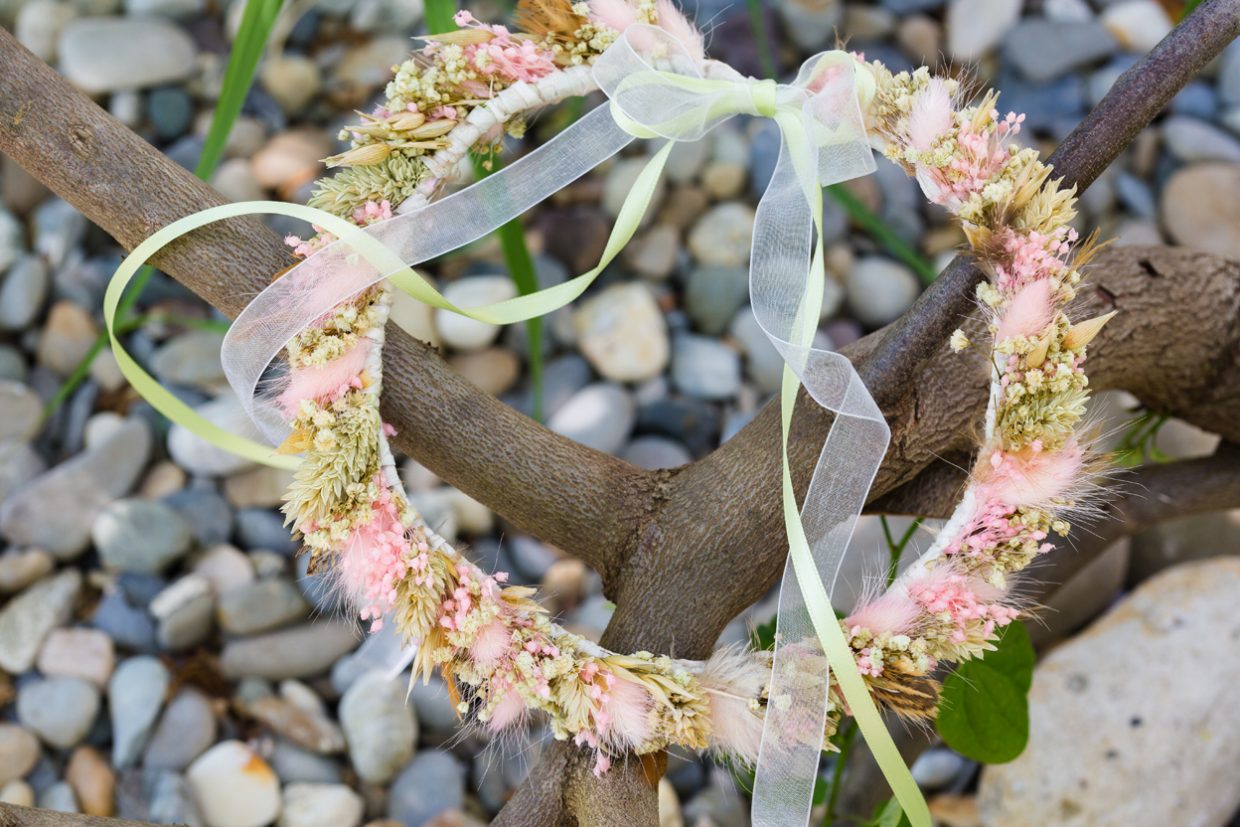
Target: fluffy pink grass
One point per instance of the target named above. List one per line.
(731, 677)
(615, 14)
(931, 115)
(674, 22)
(326, 381)
(893, 612)
(1028, 312)
(508, 712)
(1032, 477)
(375, 559)
(492, 642)
(628, 709)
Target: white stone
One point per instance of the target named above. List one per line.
(234, 787)
(723, 235)
(600, 416)
(1133, 722)
(38, 26)
(974, 27)
(225, 567)
(26, 620)
(414, 317)
(106, 54)
(1138, 25)
(1200, 209)
(1192, 139)
(196, 455)
(320, 805)
(379, 726)
(235, 181)
(880, 290)
(622, 333)
(78, 653)
(473, 291)
(811, 23)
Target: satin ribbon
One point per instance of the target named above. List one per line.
(657, 90)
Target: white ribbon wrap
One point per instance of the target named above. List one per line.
(824, 142)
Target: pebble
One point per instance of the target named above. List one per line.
(163, 8)
(290, 159)
(705, 368)
(210, 518)
(20, 411)
(619, 181)
(431, 784)
(1192, 139)
(171, 110)
(600, 416)
(59, 797)
(260, 606)
(225, 567)
(19, 752)
(320, 805)
(18, 793)
(1138, 25)
(494, 370)
(234, 787)
(974, 27)
(1229, 75)
(56, 510)
(368, 66)
(198, 456)
(78, 653)
(723, 235)
(23, 292)
(379, 726)
(810, 23)
(1200, 210)
(713, 295)
(654, 452)
(261, 487)
(1144, 679)
(294, 764)
(622, 333)
(12, 239)
(292, 80)
(135, 694)
(27, 620)
(59, 710)
(467, 334)
(38, 25)
(19, 464)
(763, 363)
(234, 180)
(936, 768)
(879, 290)
(191, 359)
(687, 159)
(107, 54)
(414, 317)
(92, 780)
(434, 710)
(66, 337)
(300, 652)
(1042, 50)
(186, 729)
(184, 613)
(261, 528)
(654, 254)
(304, 724)
(140, 535)
(128, 626)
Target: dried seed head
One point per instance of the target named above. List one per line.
(1082, 333)
(360, 156)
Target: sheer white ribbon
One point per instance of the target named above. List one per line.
(824, 142)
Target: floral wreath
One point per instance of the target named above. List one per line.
(502, 657)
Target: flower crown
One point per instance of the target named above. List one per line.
(499, 652)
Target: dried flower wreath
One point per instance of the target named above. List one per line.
(494, 643)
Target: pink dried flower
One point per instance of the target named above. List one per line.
(327, 382)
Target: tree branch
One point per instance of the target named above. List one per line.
(13, 816)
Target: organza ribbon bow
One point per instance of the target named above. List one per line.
(656, 90)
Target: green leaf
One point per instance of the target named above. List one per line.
(888, 814)
(439, 14)
(984, 709)
(763, 636)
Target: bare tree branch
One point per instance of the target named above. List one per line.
(14, 816)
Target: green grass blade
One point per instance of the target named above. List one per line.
(872, 224)
(761, 38)
(439, 14)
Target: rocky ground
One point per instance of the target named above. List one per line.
(164, 656)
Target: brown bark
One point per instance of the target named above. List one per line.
(681, 552)
(14, 816)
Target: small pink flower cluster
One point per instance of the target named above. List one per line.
(991, 525)
(1032, 256)
(304, 248)
(503, 57)
(375, 558)
(327, 382)
(981, 152)
(960, 598)
(372, 212)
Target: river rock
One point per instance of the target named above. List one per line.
(1138, 25)
(623, 334)
(198, 456)
(705, 368)
(1146, 679)
(1200, 210)
(59, 710)
(225, 567)
(19, 752)
(23, 292)
(379, 726)
(974, 27)
(56, 511)
(92, 780)
(467, 334)
(292, 80)
(26, 620)
(66, 338)
(234, 787)
(722, 236)
(38, 25)
(810, 23)
(135, 693)
(108, 54)
(290, 159)
(1192, 139)
(879, 290)
(78, 653)
(19, 464)
(320, 805)
(432, 783)
(300, 652)
(184, 612)
(140, 535)
(185, 730)
(600, 416)
(260, 606)
(18, 569)
(1042, 50)
(190, 359)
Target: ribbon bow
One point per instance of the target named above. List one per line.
(656, 90)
